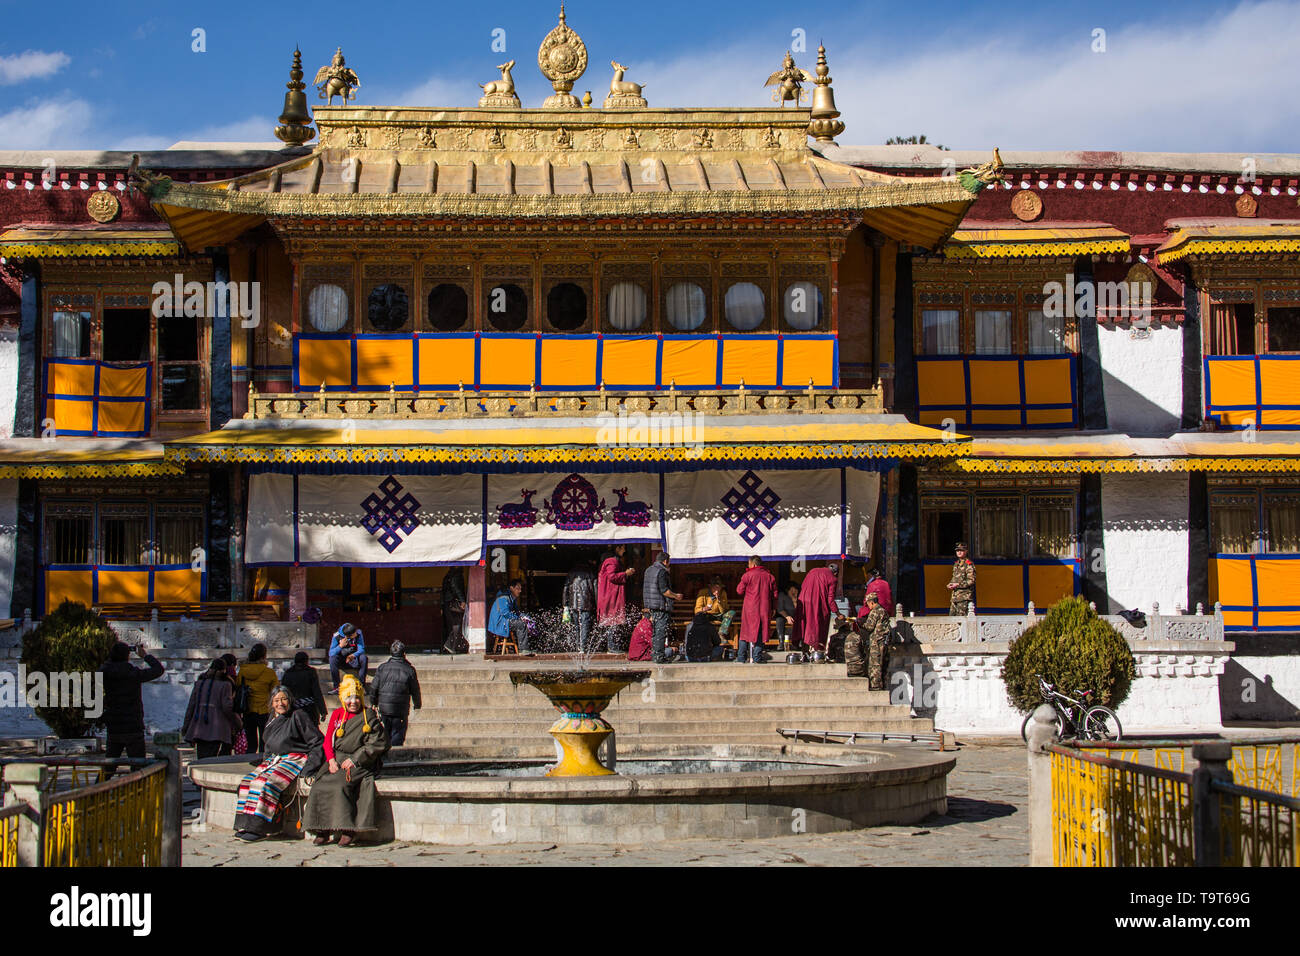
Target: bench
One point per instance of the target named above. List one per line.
(194, 610)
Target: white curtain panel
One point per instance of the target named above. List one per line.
(327, 307)
(941, 332)
(992, 332)
(768, 512)
(366, 519)
(627, 306)
(685, 305)
(745, 306)
(862, 505)
(1046, 335)
(573, 507)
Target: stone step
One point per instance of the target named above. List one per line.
(772, 670)
(705, 730)
(773, 699)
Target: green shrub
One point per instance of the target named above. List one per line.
(1074, 649)
(71, 639)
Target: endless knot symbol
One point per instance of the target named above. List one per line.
(392, 515)
(750, 507)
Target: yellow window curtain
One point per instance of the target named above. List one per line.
(1051, 528)
(1282, 519)
(1232, 525)
(997, 524)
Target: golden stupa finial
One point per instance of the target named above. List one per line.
(337, 79)
(562, 58)
(789, 82)
(824, 125)
(295, 122)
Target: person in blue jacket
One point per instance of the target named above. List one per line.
(347, 649)
(504, 619)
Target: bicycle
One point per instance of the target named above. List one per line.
(1086, 721)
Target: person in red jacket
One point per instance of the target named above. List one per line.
(817, 607)
(757, 589)
(642, 636)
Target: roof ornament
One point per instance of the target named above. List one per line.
(562, 58)
(623, 95)
(788, 82)
(152, 185)
(501, 93)
(975, 178)
(337, 79)
(295, 122)
(824, 126)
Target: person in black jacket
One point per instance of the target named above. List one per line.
(395, 688)
(123, 705)
(702, 641)
(453, 610)
(304, 683)
(580, 600)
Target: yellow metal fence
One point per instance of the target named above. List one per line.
(117, 822)
(1125, 805)
(9, 818)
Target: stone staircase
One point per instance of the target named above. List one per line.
(472, 709)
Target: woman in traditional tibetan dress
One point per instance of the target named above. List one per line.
(292, 748)
(342, 799)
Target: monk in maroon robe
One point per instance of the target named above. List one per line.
(817, 605)
(611, 587)
(757, 588)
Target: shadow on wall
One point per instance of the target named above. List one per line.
(1131, 412)
(1244, 695)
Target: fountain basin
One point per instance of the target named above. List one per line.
(820, 788)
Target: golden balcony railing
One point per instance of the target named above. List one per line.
(466, 403)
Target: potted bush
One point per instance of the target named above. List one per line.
(1072, 647)
(72, 639)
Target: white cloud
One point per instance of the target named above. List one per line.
(51, 124)
(30, 65)
(1222, 83)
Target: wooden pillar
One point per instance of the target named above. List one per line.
(297, 592)
(476, 627)
(27, 407)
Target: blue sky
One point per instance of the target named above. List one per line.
(1184, 76)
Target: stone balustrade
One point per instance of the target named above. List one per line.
(470, 404)
(1004, 628)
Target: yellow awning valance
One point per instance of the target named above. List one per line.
(1013, 242)
(58, 458)
(1206, 237)
(600, 440)
(1122, 454)
(48, 243)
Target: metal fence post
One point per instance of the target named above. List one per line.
(166, 748)
(1207, 837)
(1042, 731)
(27, 782)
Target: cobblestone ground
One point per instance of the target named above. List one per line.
(986, 825)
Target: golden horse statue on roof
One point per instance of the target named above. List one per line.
(337, 79)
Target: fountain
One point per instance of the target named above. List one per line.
(580, 696)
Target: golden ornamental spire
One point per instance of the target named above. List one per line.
(295, 122)
(562, 58)
(824, 126)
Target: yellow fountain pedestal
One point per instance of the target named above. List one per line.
(579, 696)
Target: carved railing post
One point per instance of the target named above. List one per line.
(1042, 733)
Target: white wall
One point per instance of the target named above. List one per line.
(8, 543)
(1143, 380)
(8, 379)
(1145, 539)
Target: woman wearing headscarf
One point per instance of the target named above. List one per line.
(342, 799)
(210, 719)
(291, 747)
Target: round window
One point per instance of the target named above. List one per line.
(626, 306)
(327, 308)
(566, 307)
(745, 306)
(684, 304)
(802, 306)
(387, 308)
(448, 307)
(507, 308)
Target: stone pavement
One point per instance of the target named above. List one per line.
(986, 825)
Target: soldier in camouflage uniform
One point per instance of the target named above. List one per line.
(875, 630)
(962, 584)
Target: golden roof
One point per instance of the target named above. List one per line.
(520, 164)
